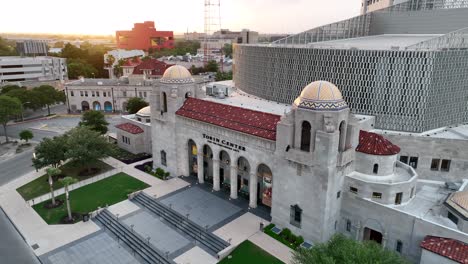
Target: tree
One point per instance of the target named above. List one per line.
(222, 76)
(85, 147)
(110, 60)
(227, 50)
(342, 250)
(49, 95)
(7, 48)
(51, 172)
(135, 104)
(50, 152)
(67, 181)
(26, 135)
(9, 107)
(59, 44)
(211, 66)
(94, 120)
(7, 88)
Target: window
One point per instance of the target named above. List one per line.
(81, 93)
(336, 224)
(435, 164)
(296, 215)
(305, 136)
(348, 225)
(97, 94)
(86, 93)
(377, 195)
(144, 94)
(148, 120)
(376, 168)
(452, 217)
(126, 140)
(353, 189)
(445, 166)
(71, 93)
(399, 246)
(398, 198)
(413, 162)
(139, 119)
(245, 182)
(140, 94)
(404, 159)
(104, 94)
(92, 94)
(163, 158)
(124, 93)
(412, 192)
(338, 195)
(164, 102)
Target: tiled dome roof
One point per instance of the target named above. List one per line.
(321, 95)
(145, 111)
(375, 144)
(177, 74)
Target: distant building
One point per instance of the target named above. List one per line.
(144, 36)
(194, 36)
(32, 48)
(120, 54)
(225, 36)
(17, 69)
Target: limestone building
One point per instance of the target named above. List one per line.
(317, 168)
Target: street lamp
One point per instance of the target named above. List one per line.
(22, 110)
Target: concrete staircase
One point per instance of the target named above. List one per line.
(180, 222)
(134, 241)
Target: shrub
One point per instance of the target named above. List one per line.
(148, 168)
(269, 227)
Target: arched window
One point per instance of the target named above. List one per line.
(164, 102)
(341, 144)
(376, 168)
(187, 95)
(305, 136)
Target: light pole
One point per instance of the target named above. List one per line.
(22, 110)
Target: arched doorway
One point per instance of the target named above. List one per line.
(243, 176)
(225, 170)
(372, 235)
(84, 106)
(265, 185)
(192, 160)
(208, 164)
(97, 106)
(108, 107)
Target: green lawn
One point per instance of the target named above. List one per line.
(88, 198)
(40, 185)
(248, 252)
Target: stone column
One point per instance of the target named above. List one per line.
(233, 182)
(253, 190)
(216, 180)
(200, 167)
(358, 231)
(384, 240)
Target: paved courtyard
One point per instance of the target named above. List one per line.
(204, 208)
(162, 236)
(98, 248)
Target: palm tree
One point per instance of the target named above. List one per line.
(67, 181)
(110, 60)
(51, 172)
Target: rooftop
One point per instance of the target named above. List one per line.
(446, 247)
(130, 128)
(401, 174)
(256, 123)
(452, 132)
(375, 144)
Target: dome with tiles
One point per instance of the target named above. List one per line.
(177, 75)
(321, 95)
(145, 111)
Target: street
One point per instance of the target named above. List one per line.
(15, 167)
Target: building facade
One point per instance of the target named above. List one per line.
(32, 48)
(134, 133)
(311, 163)
(19, 69)
(391, 64)
(144, 36)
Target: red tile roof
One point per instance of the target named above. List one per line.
(247, 121)
(131, 62)
(157, 67)
(375, 144)
(130, 128)
(447, 247)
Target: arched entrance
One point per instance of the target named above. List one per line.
(108, 107)
(243, 176)
(265, 185)
(193, 160)
(84, 106)
(225, 170)
(97, 106)
(207, 164)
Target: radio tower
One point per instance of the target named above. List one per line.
(212, 24)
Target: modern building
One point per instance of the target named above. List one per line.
(144, 36)
(405, 64)
(32, 48)
(316, 167)
(19, 69)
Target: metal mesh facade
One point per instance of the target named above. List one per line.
(410, 91)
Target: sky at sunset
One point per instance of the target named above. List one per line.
(105, 16)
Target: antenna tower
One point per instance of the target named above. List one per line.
(212, 24)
